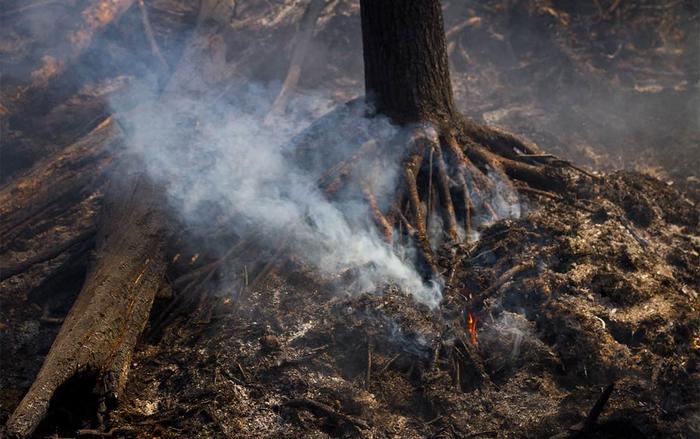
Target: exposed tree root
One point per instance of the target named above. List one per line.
(459, 172)
(99, 333)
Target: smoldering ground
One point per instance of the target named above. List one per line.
(220, 163)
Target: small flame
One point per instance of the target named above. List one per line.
(471, 327)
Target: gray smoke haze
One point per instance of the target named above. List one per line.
(202, 137)
(227, 161)
(209, 139)
(219, 157)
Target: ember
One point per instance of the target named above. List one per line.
(471, 327)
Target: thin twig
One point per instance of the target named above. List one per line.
(598, 407)
(151, 37)
(502, 279)
(325, 410)
(308, 21)
(47, 318)
(368, 375)
(111, 432)
(389, 363)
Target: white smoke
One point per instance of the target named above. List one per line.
(218, 160)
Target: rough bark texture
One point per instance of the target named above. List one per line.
(47, 188)
(406, 69)
(103, 326)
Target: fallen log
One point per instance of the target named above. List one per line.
(45, 255)
(101, 329)
(36, 82)
(51, 183)
(93, 18)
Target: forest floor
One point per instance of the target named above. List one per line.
(603, 296)
(598, 289)
(579, 298)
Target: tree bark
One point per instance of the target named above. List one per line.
(102, 328)
(53, 183)
(406, 70)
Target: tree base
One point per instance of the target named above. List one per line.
(456, 174)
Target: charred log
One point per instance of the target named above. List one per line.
(99, 333)
(51, 185)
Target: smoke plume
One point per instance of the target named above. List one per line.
(219, 160)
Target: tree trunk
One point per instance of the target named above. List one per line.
(406, 70)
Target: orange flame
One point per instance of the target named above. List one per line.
(471, 327)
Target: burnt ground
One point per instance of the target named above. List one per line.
(601, 289)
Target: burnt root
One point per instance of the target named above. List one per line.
(452, 179)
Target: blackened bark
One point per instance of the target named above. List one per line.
(103, 326)
(406, 70)
(56, 182)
